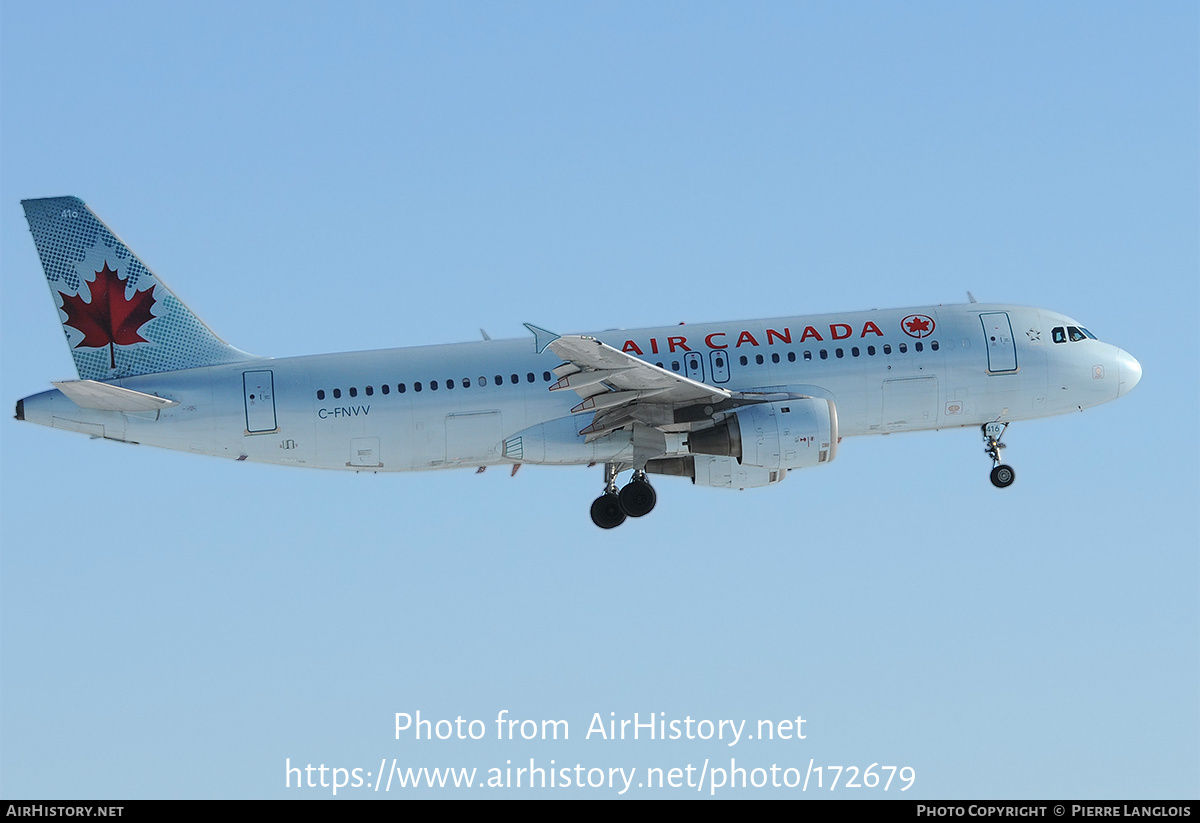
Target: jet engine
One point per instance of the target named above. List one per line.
(789, 434)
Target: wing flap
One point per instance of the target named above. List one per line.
(595, 363)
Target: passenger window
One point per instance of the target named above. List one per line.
(386, 388)
(919, 346)
(515, 379)
(839, 353)
(854, 351)
(499, 380)
(482, 380)
(401, 388)
(449, 384)
(433, 385)
(758, 359)
(466, 381)
(1059, 335)
(529, 377)
(546, 376)
(791, 357)
(743, 360)
(934, 345)
(337, 393)
(417, 386)
(871, 351)
(353, 392)
(674, 365)
(903, 348)
(370, 391)
(320, 394)
(808, 355)
(775, 357)
(887, 348)
(824, 354)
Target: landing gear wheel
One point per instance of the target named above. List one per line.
(1003, 476)
(637, 498)
(607, 512)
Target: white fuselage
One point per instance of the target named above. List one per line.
(453, 405)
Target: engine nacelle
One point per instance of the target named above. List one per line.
(718, 472)
(790, 434)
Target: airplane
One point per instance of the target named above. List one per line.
(728, 405)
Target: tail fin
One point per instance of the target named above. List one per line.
(119, 318)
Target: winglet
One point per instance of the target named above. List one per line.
(541, 337)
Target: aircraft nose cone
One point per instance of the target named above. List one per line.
(1129, 372)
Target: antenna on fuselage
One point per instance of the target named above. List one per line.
(971, 298)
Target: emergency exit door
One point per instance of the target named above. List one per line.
(719, 360)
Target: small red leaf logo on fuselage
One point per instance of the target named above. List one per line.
(917, 325)
(109, 319)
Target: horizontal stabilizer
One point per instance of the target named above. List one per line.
(89, 394)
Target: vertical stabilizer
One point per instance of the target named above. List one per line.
(120, 320)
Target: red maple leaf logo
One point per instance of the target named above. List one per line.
(109, 319)
(917, 325)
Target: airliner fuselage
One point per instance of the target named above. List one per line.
(731, 405)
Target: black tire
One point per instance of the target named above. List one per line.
(607, 512)
(638, 498)
(1003, 476)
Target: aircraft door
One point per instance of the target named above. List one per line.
(693, 366)
(1001, 347)
(718, 359)
(259, 393)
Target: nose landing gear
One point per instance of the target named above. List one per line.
(1002, 476)
(636, 499)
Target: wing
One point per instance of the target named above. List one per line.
(621, 389)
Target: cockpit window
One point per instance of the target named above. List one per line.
(1059, 335)
(1088, 333)
(1075, 334)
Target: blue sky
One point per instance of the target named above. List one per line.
(311, 178)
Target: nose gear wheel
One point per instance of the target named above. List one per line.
(1002, 476)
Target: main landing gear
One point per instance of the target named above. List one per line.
(635, 499)
(1002, 475)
